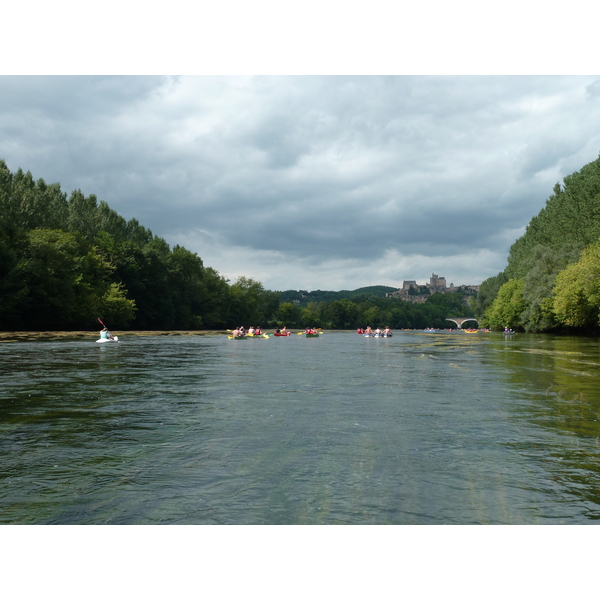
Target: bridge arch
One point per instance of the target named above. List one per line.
(460, 320)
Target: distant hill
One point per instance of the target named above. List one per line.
(378, 291)
(303, 297)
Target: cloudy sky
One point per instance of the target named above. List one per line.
(311, 181)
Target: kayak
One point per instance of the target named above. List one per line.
(312, 335)
(259, 335)
(282, 334)
(378, 335)
(107, 340)
(243, 337)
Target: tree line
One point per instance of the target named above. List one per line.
(67, 260)
(552, 278)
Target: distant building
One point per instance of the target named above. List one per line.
(411, 291)
(437, 283)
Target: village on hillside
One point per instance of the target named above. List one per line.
(411, 291)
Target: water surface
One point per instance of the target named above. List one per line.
(443, 428)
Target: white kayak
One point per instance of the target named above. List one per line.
(108, 340)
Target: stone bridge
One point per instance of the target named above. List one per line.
(460, 320)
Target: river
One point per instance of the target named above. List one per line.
(421, 428)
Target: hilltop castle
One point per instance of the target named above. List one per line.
(411, 291)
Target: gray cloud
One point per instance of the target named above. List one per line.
(300, 172)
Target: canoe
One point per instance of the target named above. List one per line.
(107, 340)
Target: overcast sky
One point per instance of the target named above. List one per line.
(311, 182)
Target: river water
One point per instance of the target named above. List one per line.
(420, 428)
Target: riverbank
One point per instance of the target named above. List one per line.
(8, 336)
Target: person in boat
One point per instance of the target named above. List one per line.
(378, 331)
(105, 334)
(360, 330)
(237, 333)
(284, 330)
(278, 330)
(368, 329)
(251, 330)
(257, 330)
(387, 331)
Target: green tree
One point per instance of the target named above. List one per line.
(542, 267)
(288, 314)
(342, 314)
(13, 285)
(372, 316)
(507, 308)
(50, 269)
(488, 290)
(251, 303)
(576, 298)
(312, 315)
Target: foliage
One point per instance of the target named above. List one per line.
(66, 261)
(303, 297)
(576, 298)
(542, 267)
(507, 307)
(487, 292)
(571, 216)
(251, 304)
(544, 260)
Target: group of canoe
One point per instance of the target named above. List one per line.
(368, 332)
(255, 332)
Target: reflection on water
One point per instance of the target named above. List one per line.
(416, 429)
